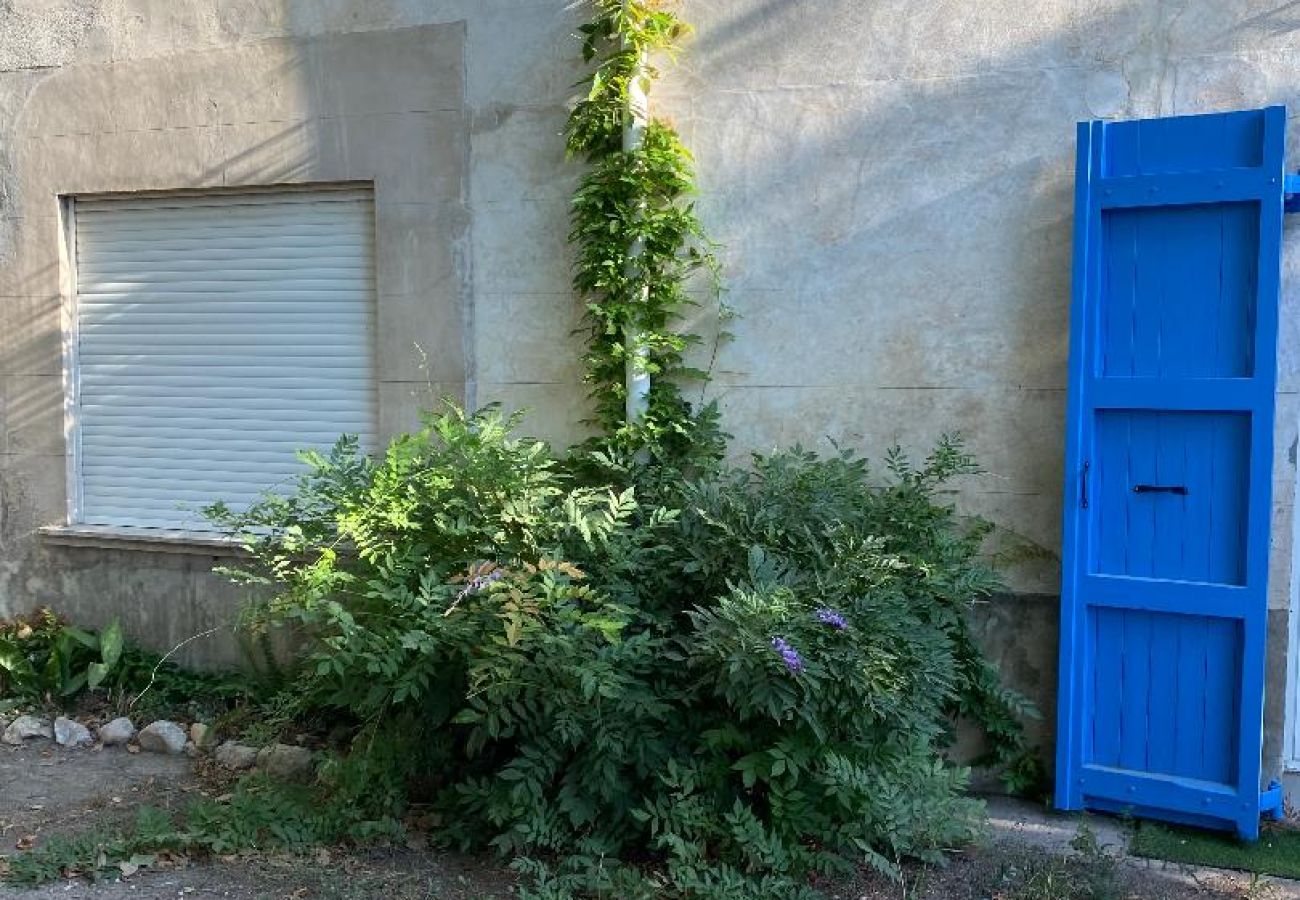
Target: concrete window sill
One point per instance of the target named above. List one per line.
(149, 540)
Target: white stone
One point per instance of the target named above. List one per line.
(116, 732)
(285, 761)
(233, 755)
(71, 734)
(201, 735)
(163, 737)
(25, 728)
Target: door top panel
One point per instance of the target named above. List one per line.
(1184, 144)
(1178, 291)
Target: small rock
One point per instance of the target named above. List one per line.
(116, 732)
(234, 755)
(163, 737)
(26, 727)
(201, 735)
(285, 761)
(74, 735)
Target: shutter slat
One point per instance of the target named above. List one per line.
(170, 272)
(350, 409)
(321, 225)
(291, 386)
(268, 379)
(170, 299)
(200, 337)
(180, 520)
(180, 479)
(174, 500)
(234, 410)
(174, 458)
(274, 433)
(218, 334)
(126, 445)
(269, 375)
(286, 303)
(242, 283)
(142, 357)
(221, 324)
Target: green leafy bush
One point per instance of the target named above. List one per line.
(750, 673)
(46, 661)
(42, 657)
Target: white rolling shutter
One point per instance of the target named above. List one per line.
(216, 335)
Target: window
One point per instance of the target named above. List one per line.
(215, 334)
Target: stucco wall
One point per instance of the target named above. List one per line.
(383, 106)
(891, 181)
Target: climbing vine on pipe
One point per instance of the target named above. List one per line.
(639, 243)
(638, 239)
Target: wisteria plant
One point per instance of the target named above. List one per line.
(749, 674)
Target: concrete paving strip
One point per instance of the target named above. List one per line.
(1020, 822)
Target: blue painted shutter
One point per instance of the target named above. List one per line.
(1169, 461)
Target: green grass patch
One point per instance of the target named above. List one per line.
(1277, 852)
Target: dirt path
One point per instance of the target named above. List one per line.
(45, 790)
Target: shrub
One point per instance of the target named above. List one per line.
(47, 661)
(43, 658)
(747, 673)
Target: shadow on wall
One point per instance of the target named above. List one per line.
(896, 216)
(162, 598)
(892, 184)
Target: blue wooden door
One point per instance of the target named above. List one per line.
(1169, 459)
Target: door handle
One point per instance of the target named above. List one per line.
(1180, 489)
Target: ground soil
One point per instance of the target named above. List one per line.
(46, 790)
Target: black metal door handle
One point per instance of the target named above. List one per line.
(1160, 489)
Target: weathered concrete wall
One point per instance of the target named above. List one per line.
(384, 106)
(891, 181)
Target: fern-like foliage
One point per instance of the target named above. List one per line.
(748, 674)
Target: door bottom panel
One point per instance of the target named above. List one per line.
(1164, 693)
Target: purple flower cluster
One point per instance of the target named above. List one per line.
(828, 616)
(790, 656)
(477, 583)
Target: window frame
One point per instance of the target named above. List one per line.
(74, 531)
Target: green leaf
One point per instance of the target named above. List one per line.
(85, 638)
(73, 685)
(12, 659)
(111, 642)
(95, 675)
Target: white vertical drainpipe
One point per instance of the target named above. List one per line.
(636, 379)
